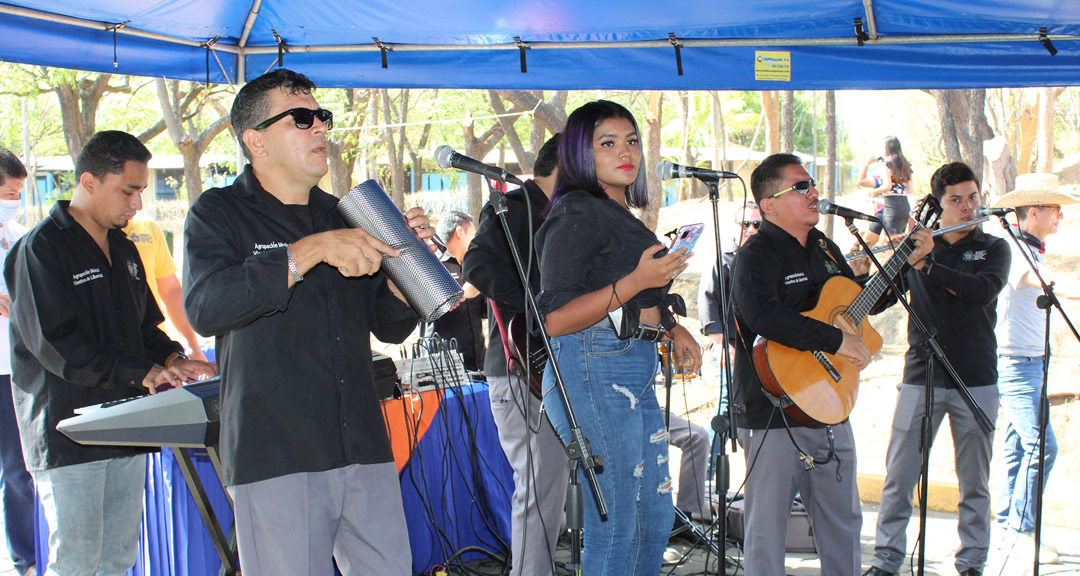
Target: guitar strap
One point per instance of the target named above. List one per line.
(832, 264)
(497, 315)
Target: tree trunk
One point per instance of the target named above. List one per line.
(720, 135)
(787, 121)
(1047, 96)
(551, 113)
(79, 101)
(830, 154)
(688, 187)
(948, 126)
(397, 172)
(770, 109)
(1000, 173)
(176, 105)
(1027, 134)
(654, 120)
(525, 158)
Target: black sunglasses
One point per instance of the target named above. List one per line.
(802, 187)
(748, 223)
(303, 118)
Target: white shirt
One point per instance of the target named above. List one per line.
(9, 233)
(1021, 326)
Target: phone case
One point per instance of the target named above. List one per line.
(686, 236)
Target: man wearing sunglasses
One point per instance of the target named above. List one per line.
(292, 296)
(775, 274)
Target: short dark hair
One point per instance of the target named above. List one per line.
(547, 159)
(107, 151)
(577, 165)
(10, 166)
(765, 178)
(949, 175)
(251, 103)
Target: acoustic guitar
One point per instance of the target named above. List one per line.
(531, 358)
(816, 388)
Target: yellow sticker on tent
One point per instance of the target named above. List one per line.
(774, 66)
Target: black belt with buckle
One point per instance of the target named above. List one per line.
(649, 333)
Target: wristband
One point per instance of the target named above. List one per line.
(293, 270)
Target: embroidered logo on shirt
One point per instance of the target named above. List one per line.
(974, 256)
(795, 278)
(140, 238)
(133, 269)
(86, 276)
(259, 248)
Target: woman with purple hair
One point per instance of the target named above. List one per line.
(605, 281)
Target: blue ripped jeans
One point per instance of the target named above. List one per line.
(610, 385)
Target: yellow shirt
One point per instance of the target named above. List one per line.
(157, 260)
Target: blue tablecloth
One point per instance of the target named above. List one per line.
(456, 491)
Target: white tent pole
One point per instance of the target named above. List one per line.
(871, 26)
(241, 65)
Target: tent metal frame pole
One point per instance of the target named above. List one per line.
(666, 44)
(871, 25)
(241, 65)
(107, 26)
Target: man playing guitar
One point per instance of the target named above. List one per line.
(774, 275)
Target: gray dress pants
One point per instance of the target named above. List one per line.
(903, 462)
(829, 492)
(541, 475)
(693, 440)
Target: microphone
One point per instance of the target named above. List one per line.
(984, 211)
(667, 170)
(445, 157)
(826, 207)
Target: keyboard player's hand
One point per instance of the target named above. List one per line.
(191, 370)
(160, 379)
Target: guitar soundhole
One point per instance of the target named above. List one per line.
(844, 322)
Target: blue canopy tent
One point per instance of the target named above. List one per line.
(561, 44)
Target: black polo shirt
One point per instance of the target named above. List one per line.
(774, 277)
(489, 266)
(297, 387)
(958, 302)
(83, 332)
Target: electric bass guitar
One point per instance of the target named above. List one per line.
(816, 388)
(531, 358)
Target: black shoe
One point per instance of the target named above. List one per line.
(971, 572)
(875, 571)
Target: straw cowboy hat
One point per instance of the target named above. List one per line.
(1036, 190)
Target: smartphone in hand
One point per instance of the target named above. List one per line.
(686, 237)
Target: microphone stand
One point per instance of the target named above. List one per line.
(934, 352)
(1046, 302)
(578, 450)
(722, 423)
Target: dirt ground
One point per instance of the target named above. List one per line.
(873, 412)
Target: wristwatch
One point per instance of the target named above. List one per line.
(928, 263)
(293, 270)
(174, 357)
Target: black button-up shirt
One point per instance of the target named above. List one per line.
(83, 332)
(774, 276)
(587, 243)
(958, 301)
(297, 386)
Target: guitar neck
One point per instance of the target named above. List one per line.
(877, 285)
